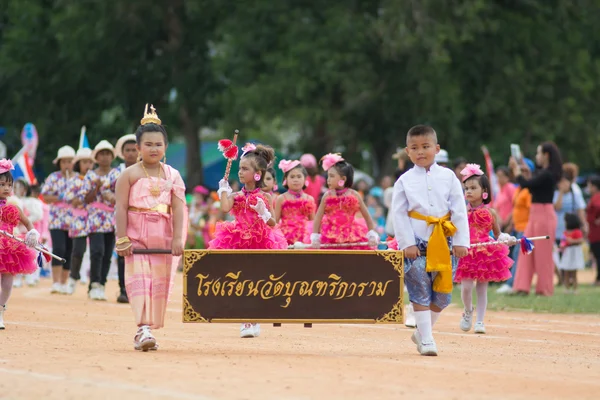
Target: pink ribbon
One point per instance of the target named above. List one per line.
(101, 206)
(6, 165)
(248, 148)
(470, 170)
(288, 165)
(329, 160)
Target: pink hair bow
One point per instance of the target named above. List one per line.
(329, 160)
(6, 165)
(248, 148)
(470, 170)
(288, 165)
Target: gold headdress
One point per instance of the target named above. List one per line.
(152, 117)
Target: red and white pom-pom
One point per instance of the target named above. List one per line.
(224, 144)
(231, 153)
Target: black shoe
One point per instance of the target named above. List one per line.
(123, 298)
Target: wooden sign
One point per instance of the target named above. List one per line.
(289, 286)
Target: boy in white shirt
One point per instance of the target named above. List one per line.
(429, 208)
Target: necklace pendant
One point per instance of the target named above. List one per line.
(155, 190)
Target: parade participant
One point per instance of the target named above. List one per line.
(270, 185)
(75, 193)
(151, 213)
(53, 193)
(251, 208)
(294, 209)
(16, 257)
(429, 208)
(99, 186)
(315, 182)
(335, 220)
(482, 264)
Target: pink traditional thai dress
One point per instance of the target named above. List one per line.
(294, 221)
(483, 263)
(149, 277)
(15, 257)
(248, 231)
(339, 224)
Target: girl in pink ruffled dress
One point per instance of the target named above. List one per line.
(335, 221)
(294, 210)
(254, 225)
(483, 264)
(15, 257)
(270, 185)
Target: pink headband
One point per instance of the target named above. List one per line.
(248, 148)
(201, 190)
(6, 165)
(329, 160)
(470, 170)
(308, 161)
(288, 165)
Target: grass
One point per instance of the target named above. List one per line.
(586, 301)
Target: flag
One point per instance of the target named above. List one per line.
(23, 169)
(84, 143)
(489, 166)
(29, 139)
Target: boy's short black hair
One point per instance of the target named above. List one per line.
(594, 180)
(421, 130)
(484, 182)
(572, 221)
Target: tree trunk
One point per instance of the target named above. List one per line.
(193, 161)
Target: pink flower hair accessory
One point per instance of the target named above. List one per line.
(470, 170)
(248, 148)
(329, 160)
(6, 165)
(288, 165)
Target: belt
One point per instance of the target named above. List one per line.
(161, 208)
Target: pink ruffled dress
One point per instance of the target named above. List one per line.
(294, 222)
(483, 263)
(339, 224)
(15, 257)
(248, 231)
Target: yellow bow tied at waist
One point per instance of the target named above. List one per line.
(438, 252)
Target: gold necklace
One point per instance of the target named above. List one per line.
(154, 186)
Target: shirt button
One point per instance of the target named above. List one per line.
(429, 188)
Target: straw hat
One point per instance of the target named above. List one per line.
(122, 140)
(64, 152)
(83, 154)
(400, 154)
(103, 145)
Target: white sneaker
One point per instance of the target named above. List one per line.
(467, 321)
(248, 330)
(479, 327)
(101, 294)
(428, 349)
(2, 309)
(56, 287)
(18, 281)
(410, 320)
(31, 280)
(94, 293)
(504, 289)
(416, 339)
(71, 286)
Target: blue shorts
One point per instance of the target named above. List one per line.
(419, 282)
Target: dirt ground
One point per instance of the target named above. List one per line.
(59, 347)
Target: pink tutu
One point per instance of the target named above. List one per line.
(15, 257)
(483, 263)
(248, 231)
(294, 221)
(339, 224)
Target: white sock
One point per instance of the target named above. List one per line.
(481, 290)
(466, 293)
(434, 317)
(423, 319)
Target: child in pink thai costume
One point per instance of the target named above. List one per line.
(482, 264)
(270, 185)
(253, 227)
(315, 183)
(99, 186)
(53, 192)
(294, 210)
(151, 214)
(335, 218)
(75, 195)
(15, 257)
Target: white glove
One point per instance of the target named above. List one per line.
(261, 210)
(373, 238)
(32, 237)
(224, 187)
(315, 240)
(508, 239)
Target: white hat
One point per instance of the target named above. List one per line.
(122, 140)
(64, 152)
(83, 154)
(442, 157)
(103, 145)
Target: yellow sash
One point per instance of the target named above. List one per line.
(438, 252)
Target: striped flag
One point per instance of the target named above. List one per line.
(489, 166)
(84, 143)
(23, 169)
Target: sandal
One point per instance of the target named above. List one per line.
(144, 340)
